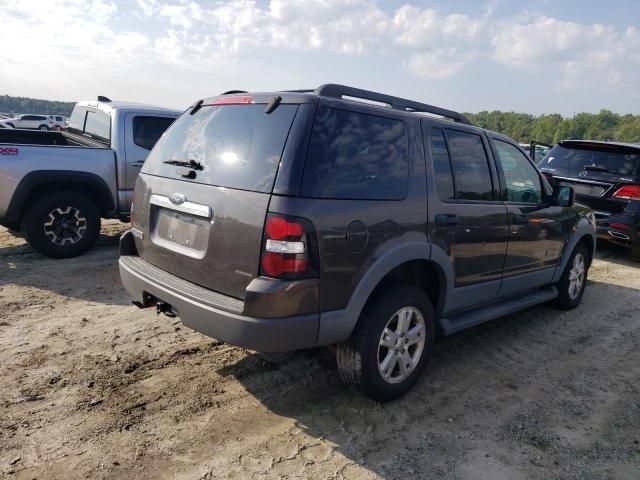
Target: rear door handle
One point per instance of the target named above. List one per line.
(138, 164)
(446, 219)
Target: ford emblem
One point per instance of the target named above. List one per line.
(177, 198)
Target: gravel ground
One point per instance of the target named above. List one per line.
(91, 386)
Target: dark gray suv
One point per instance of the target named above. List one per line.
(338, 216)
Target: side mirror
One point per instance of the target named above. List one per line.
(564, 196)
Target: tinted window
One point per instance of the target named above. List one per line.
(555, 162)
(239, 146)
(470, 166)
(76, 120)
(98, 124)
(147, 130)
(441, 165)
(522, 179)
(356, 156)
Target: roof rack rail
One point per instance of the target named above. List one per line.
(339, 91)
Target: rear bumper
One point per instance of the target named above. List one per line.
(618, 227)
(213, 314)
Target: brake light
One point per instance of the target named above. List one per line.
(286, 248)
(628, 192)
(242, 100)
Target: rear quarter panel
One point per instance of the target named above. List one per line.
(31, 158)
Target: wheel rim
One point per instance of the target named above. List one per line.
(65, 226)
(576, 276)
(401, 344)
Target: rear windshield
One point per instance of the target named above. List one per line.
(238, 146)
(565, 160)
(92, 122)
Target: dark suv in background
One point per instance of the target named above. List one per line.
(605, 176)
(339, 216)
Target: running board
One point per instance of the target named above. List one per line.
(475, 317)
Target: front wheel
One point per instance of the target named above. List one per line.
(574, 279)
(391, 344)
(62, 225)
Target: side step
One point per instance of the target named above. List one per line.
(471, 318)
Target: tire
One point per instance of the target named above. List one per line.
(360, 357)
(62, 224)
(635, 252)
(571, 288)
(43, 128)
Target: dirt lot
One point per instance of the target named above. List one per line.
(90, 386)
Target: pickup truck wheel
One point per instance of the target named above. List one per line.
(62, 225)
(635, 251)
(391, 344)
(574, 279)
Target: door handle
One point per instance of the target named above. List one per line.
(519, 219)
(446, 219)
(138, 164)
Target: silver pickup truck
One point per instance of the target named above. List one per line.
(55, 186)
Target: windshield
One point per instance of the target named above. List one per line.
(612, 159)
(237, 146)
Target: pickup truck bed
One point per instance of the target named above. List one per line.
(49, 138)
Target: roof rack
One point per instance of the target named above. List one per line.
(340, 91)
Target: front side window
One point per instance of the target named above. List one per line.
(522, 179)
(470, 166)
(147, 130)
(354, 155)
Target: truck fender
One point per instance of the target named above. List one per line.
(42, 178)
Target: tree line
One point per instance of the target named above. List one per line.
(523, 127)
(10, 104)
(551, 128)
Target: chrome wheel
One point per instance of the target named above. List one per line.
(576, 276)
(64, 226)
(401, 344)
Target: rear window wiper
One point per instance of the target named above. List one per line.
(596, 168)
(186, 163)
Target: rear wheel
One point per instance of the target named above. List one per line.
(574, 279)
(62, 225)
(635, 252)
(391, 344)
(44, 127)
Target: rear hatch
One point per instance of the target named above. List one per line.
(204, 191)
(601, 173)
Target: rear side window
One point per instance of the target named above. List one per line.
(470, 166)
(147, 130)
(354, 155)
(238, 146)
(441, 165)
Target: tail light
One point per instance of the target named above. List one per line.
(236, 100)
(289, 248)
(628, 192)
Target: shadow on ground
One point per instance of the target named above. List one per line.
(518, 397)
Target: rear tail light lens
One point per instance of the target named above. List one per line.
(289, 248)
(628, 192)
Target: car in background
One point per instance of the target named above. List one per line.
(59, 122)
(33, 122)
(605, 176)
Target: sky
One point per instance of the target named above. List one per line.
(538, 56)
